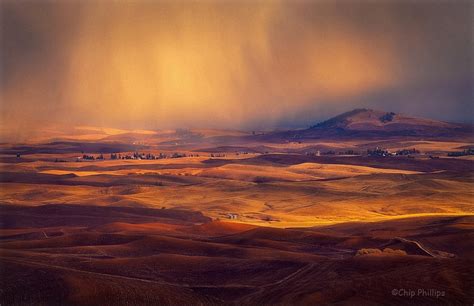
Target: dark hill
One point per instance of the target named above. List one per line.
(370, 123)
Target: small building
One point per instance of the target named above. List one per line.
(232, 216)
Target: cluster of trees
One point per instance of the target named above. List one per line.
(469, 151)
(331, 152)
(217, 155)
(238, 153)
(384, 152)
(147, 156)
(91, 157)
(378, 152)
(135, 155)
(387, 117)
(178, 155)
(349, 152)
(407, 152)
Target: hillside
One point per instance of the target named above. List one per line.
(373, 123)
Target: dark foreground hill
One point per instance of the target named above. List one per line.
(128, 256)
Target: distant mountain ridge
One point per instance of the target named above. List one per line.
(362, 122)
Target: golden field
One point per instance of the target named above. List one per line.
(278, 189)
(227, 219)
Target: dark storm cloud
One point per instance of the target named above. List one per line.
(243, 64)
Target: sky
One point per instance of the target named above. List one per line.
(231, 64)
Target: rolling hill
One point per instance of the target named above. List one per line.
(373, 123)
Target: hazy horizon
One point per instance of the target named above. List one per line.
(232, 65)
